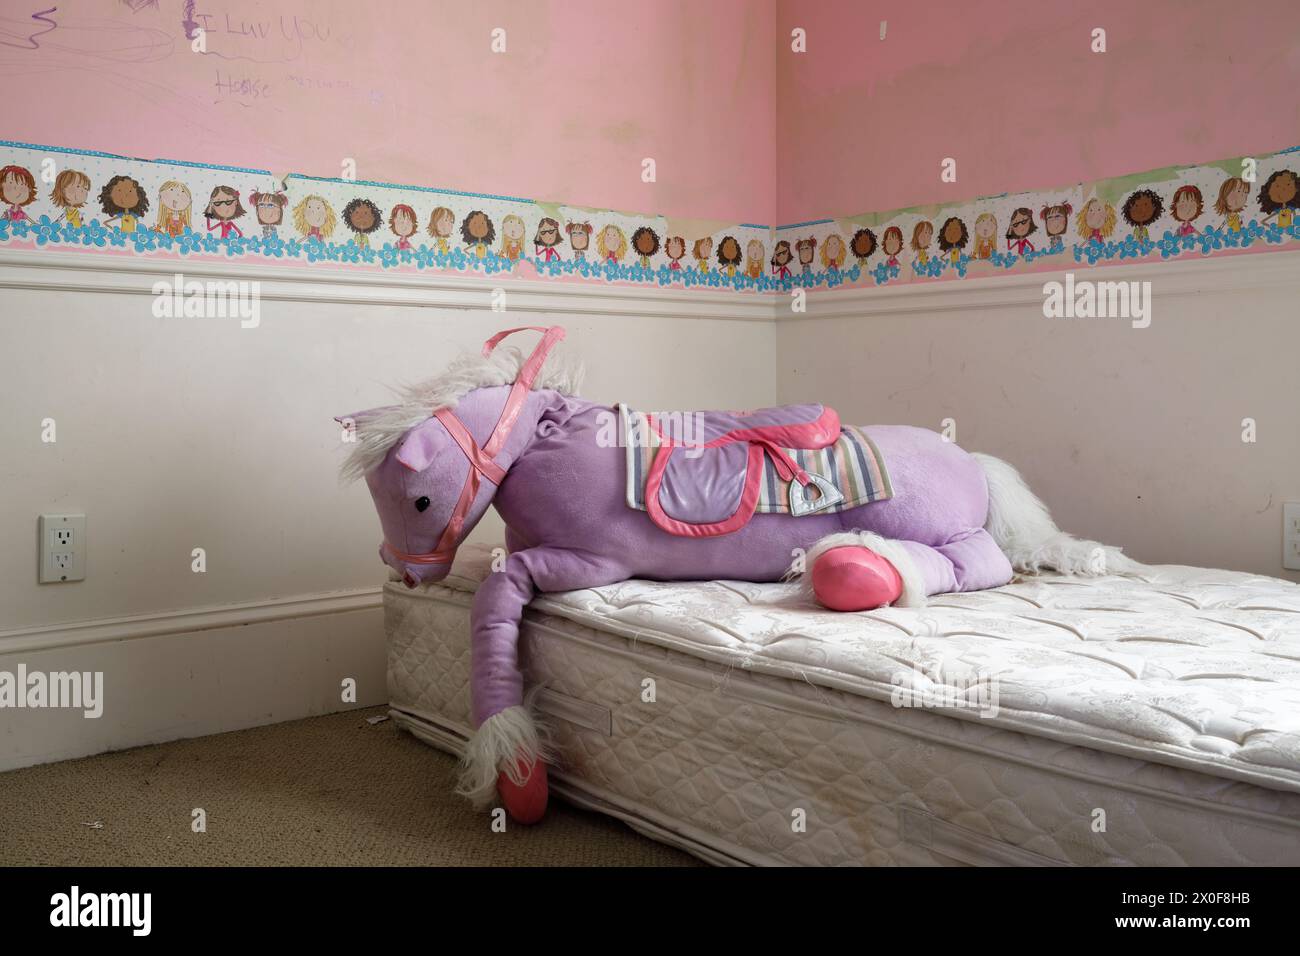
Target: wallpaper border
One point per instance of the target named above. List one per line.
(115, 205)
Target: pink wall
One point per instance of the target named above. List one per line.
(1013, 92)
(411, 90)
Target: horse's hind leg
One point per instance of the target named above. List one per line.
(971, 562)
(859, 570)
(977, 561)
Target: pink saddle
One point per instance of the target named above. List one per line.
(700, 474)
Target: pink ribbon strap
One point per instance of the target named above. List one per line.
(523, 383)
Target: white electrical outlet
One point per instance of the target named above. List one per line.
(62, 548)
(1291, 535)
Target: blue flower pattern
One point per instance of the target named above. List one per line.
(46, 233)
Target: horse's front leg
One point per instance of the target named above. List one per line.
(507, 752)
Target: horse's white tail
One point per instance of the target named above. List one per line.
(1023, 528)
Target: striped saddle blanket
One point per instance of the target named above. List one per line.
(700, 474)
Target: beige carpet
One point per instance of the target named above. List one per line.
(325, 791)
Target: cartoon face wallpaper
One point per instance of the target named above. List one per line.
(579, 234)
(478, 232)
(1096, 220)
(891, 244)
(1141, 210)
(362, 216)
(174, 196)
(17, 189)
(1278, 197)
(645, 243)
(442, 222)
(269, 207)
(953, 236)
(1186, 207)
(1234, 194)
(806, 249)
(123, 202)
(701, 251)
(314, 218)
(224, 207)
(1056, 220)
(675, 250)
(611, 244)
(1022, 224)
(403, 222)
(174, 205)
(922, 235)
(71, 189)
(729, 253)
(513, 231)
(833, 251)
(548, 235)
(986, 230)
(781, 258)
(863, 244)
(224, 203)
(70, 192)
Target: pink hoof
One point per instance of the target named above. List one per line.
(526, 802)
(855, 578)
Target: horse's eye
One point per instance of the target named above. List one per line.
(422, 503)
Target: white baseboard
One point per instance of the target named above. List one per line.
(195, 672)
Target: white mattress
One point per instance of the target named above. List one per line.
(1147, 721)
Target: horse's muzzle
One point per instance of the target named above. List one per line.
(413, 574)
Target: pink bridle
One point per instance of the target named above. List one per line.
(482, 461)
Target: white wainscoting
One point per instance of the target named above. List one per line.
(175, 434)
(182, 433)
(1132, 436)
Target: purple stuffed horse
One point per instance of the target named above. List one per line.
(593, 494)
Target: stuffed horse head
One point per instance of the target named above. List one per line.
(434, 461)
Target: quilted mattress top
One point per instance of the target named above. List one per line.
(1186, 666)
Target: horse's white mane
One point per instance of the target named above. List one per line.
(377, 431)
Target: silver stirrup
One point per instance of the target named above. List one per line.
(801, 504)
